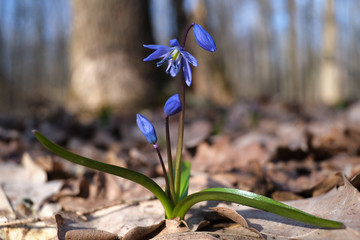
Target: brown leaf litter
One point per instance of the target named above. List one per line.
(307, 157)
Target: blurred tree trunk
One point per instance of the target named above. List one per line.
(294, 88)
(311, 57)
(3, 80)
(106, 55)
(262, 43)
(181, 19)
(209, 81)
(329, 79)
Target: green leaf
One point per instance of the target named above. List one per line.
(108, 168)
(185, 176)
(252, 200)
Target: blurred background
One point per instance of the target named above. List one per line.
(87, 55)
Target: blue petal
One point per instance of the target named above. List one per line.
(166, 58)
(146, 128)
(187, 72)
(174, 69)
(172, 105)
(152, 46)
(203, 38)
(158, 54)
(189, 58)
(174, 43)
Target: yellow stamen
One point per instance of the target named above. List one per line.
(175, 54)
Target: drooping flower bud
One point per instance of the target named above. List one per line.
(203, 38)
(146, 128)
(172, 105)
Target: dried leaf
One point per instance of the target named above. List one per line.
(228, 231)
(90, 234)
(163, 228)
(174, 226)
(139, 233)
(197, 132)
(65, 222)
(237, 231)
(355, 181)
(19, 184)
(328, 183)
(237, 234)
(231, 214)
(214, 158)
(34, 171)
(285, 196)
(340, 204)
(353, 114)
(327, 140)
(122, 218)
(6, 209)
(29, 232)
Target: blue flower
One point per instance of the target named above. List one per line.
(146, 128)
(176, 57)
(172, 105)
(203, 38)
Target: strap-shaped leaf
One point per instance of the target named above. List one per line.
(252, 200)
(185, 176)
(108, 168)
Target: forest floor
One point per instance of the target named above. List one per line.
(308, 157)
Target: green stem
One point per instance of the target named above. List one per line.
(180, 141)
(170, 165)
(252, 200)
(163, 168)
(112, 169)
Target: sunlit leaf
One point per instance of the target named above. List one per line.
(252, 200)
(185, 176)
(108, 168)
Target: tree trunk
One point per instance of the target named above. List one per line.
(106, 55)
(295, 86)
(209, 81)
(262, 43)
(329, 79)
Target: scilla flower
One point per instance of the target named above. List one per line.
(146, 128)
(172, 105)
(203, 38)
(176, 57)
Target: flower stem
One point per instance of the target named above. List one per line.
(185, 36)
(180, 141)
(170, 165)
(163, 168)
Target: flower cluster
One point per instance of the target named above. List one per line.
(176, 58)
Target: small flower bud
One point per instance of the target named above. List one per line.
(146, 128)
(172, 105)
(203, 38)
